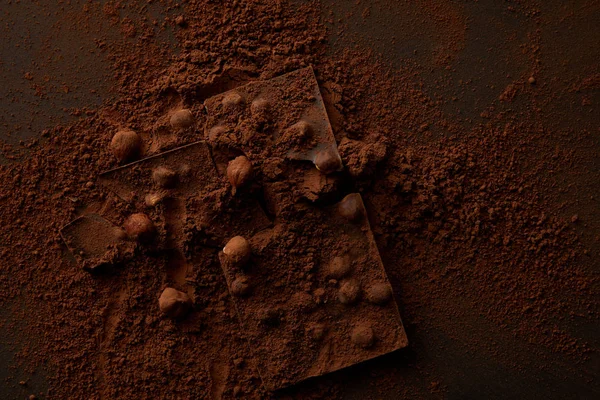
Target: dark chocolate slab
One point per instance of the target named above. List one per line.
(294, 315)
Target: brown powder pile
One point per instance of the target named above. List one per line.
(463, 213)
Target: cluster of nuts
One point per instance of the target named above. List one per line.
(126, 144)
(350, 290)
(325, 156)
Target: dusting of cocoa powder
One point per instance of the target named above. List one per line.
(466, 212)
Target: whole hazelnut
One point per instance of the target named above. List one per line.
(173, 303)
(139, 227)
(351, 207)
(349, 291)
(240, 286)
(182, 119)
(379, 293)
(339, 267)
(328, 161)
(237, 251)
(239, 172)
(164, 177)
(362, 335)
(126, 145)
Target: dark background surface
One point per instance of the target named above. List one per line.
(41, 88)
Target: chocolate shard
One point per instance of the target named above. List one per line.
(96, 243)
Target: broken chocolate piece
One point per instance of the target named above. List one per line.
(309, 138)
(292, 292)
(95, 242)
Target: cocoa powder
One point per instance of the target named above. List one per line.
(466, 213)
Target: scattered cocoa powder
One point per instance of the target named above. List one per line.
(471, 214)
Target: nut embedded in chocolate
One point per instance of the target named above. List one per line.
(232, 99)
(349, 292)
(260, 107)
(126, 145)
(302, 129)
(152, 199)
(217, 133)
(140, 227)
(328, 161)
(379, 293)
(339, 267)
(182, 119)
(316, 331)
(174, 303)
(351, 207)
(239, 172)
(240, 286)
(119, 233)
(362, 335)
(164, 177)
(237, 251)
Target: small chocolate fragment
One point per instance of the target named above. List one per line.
(164, 177)
(349, 292)
(140, 227)
(240, 286)
(351, 207)
(328, 161)
(379, 293)
(239, 172)
(173, 303)
(182, 119)
(362, 336)
(126, 145)
(339, 267)
(237, 251)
